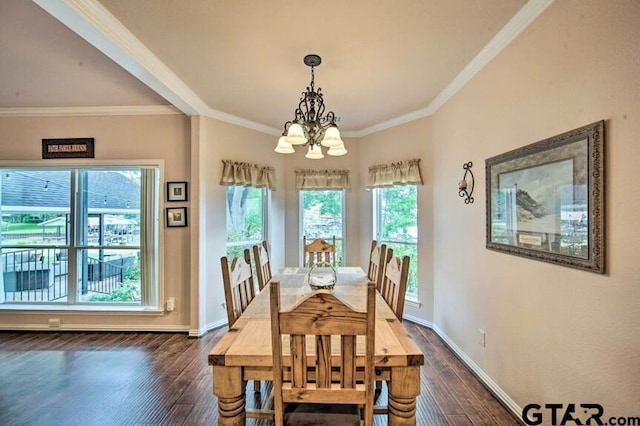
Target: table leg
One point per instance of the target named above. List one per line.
(230, 390)
(404, 386)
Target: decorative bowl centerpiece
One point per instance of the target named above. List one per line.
(321, 278)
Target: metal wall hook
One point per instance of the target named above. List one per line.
(465, 188)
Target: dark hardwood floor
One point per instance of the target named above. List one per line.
(68, 378)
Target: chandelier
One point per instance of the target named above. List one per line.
(311, 126)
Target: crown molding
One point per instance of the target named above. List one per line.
(243, 122)
(131, 110)
(406, 118)
(89, 111)
(94, 23)
(521, 20)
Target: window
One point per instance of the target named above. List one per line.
(322, 216)
(247, 200)
(246, 218)
(80, 236)
(396, 225)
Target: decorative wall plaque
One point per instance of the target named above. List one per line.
(68, 148)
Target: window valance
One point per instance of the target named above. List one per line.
(322, 179)
(400, 173)
(247, 174)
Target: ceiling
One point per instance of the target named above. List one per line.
(383, 61)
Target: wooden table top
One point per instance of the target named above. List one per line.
(248, 342)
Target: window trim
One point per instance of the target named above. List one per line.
(92, 164)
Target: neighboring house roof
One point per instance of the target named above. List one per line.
(24, 189)
(108, 219)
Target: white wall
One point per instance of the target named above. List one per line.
(412, 140)
(553, 334)
(163, 137)
(222, 141)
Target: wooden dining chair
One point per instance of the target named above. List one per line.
(393, 289)
(263, 264)
(318, 251)
(239, 290)
(321, 388)
(377, 260)
(394, 282)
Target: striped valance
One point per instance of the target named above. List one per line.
(247, 174)
(322, 179)
(401, 173)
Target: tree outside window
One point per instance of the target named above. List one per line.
(245, 219)
(396, 225)
(322, 216)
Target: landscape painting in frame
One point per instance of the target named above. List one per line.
(546, 200)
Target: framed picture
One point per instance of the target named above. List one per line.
(177, 191)
(545, 201)
(176, 217)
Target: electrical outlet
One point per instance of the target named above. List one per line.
(171, 304)
(481, 337)
(54, 322)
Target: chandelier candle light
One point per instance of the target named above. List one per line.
(310, 125)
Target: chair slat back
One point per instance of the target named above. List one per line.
(263, 264)
(394, 283)
(319, 250)
(377, 261)
(238, 285)
(334, 327)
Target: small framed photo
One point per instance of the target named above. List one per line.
(176, 217)
(177, 191)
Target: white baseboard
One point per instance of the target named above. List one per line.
(497, 391)
(197, 332)
(418, 321)
(94, 327)
(193, 332)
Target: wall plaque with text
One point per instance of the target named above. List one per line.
(68, 148)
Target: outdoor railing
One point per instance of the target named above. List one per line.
(41, 274)
(34, 275)
(33, 236)
(104, 276)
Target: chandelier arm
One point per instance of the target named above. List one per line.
(328, 119)
(321, 107)
(303, 106)
(300, 117)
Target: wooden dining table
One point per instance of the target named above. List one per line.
(244, 352)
